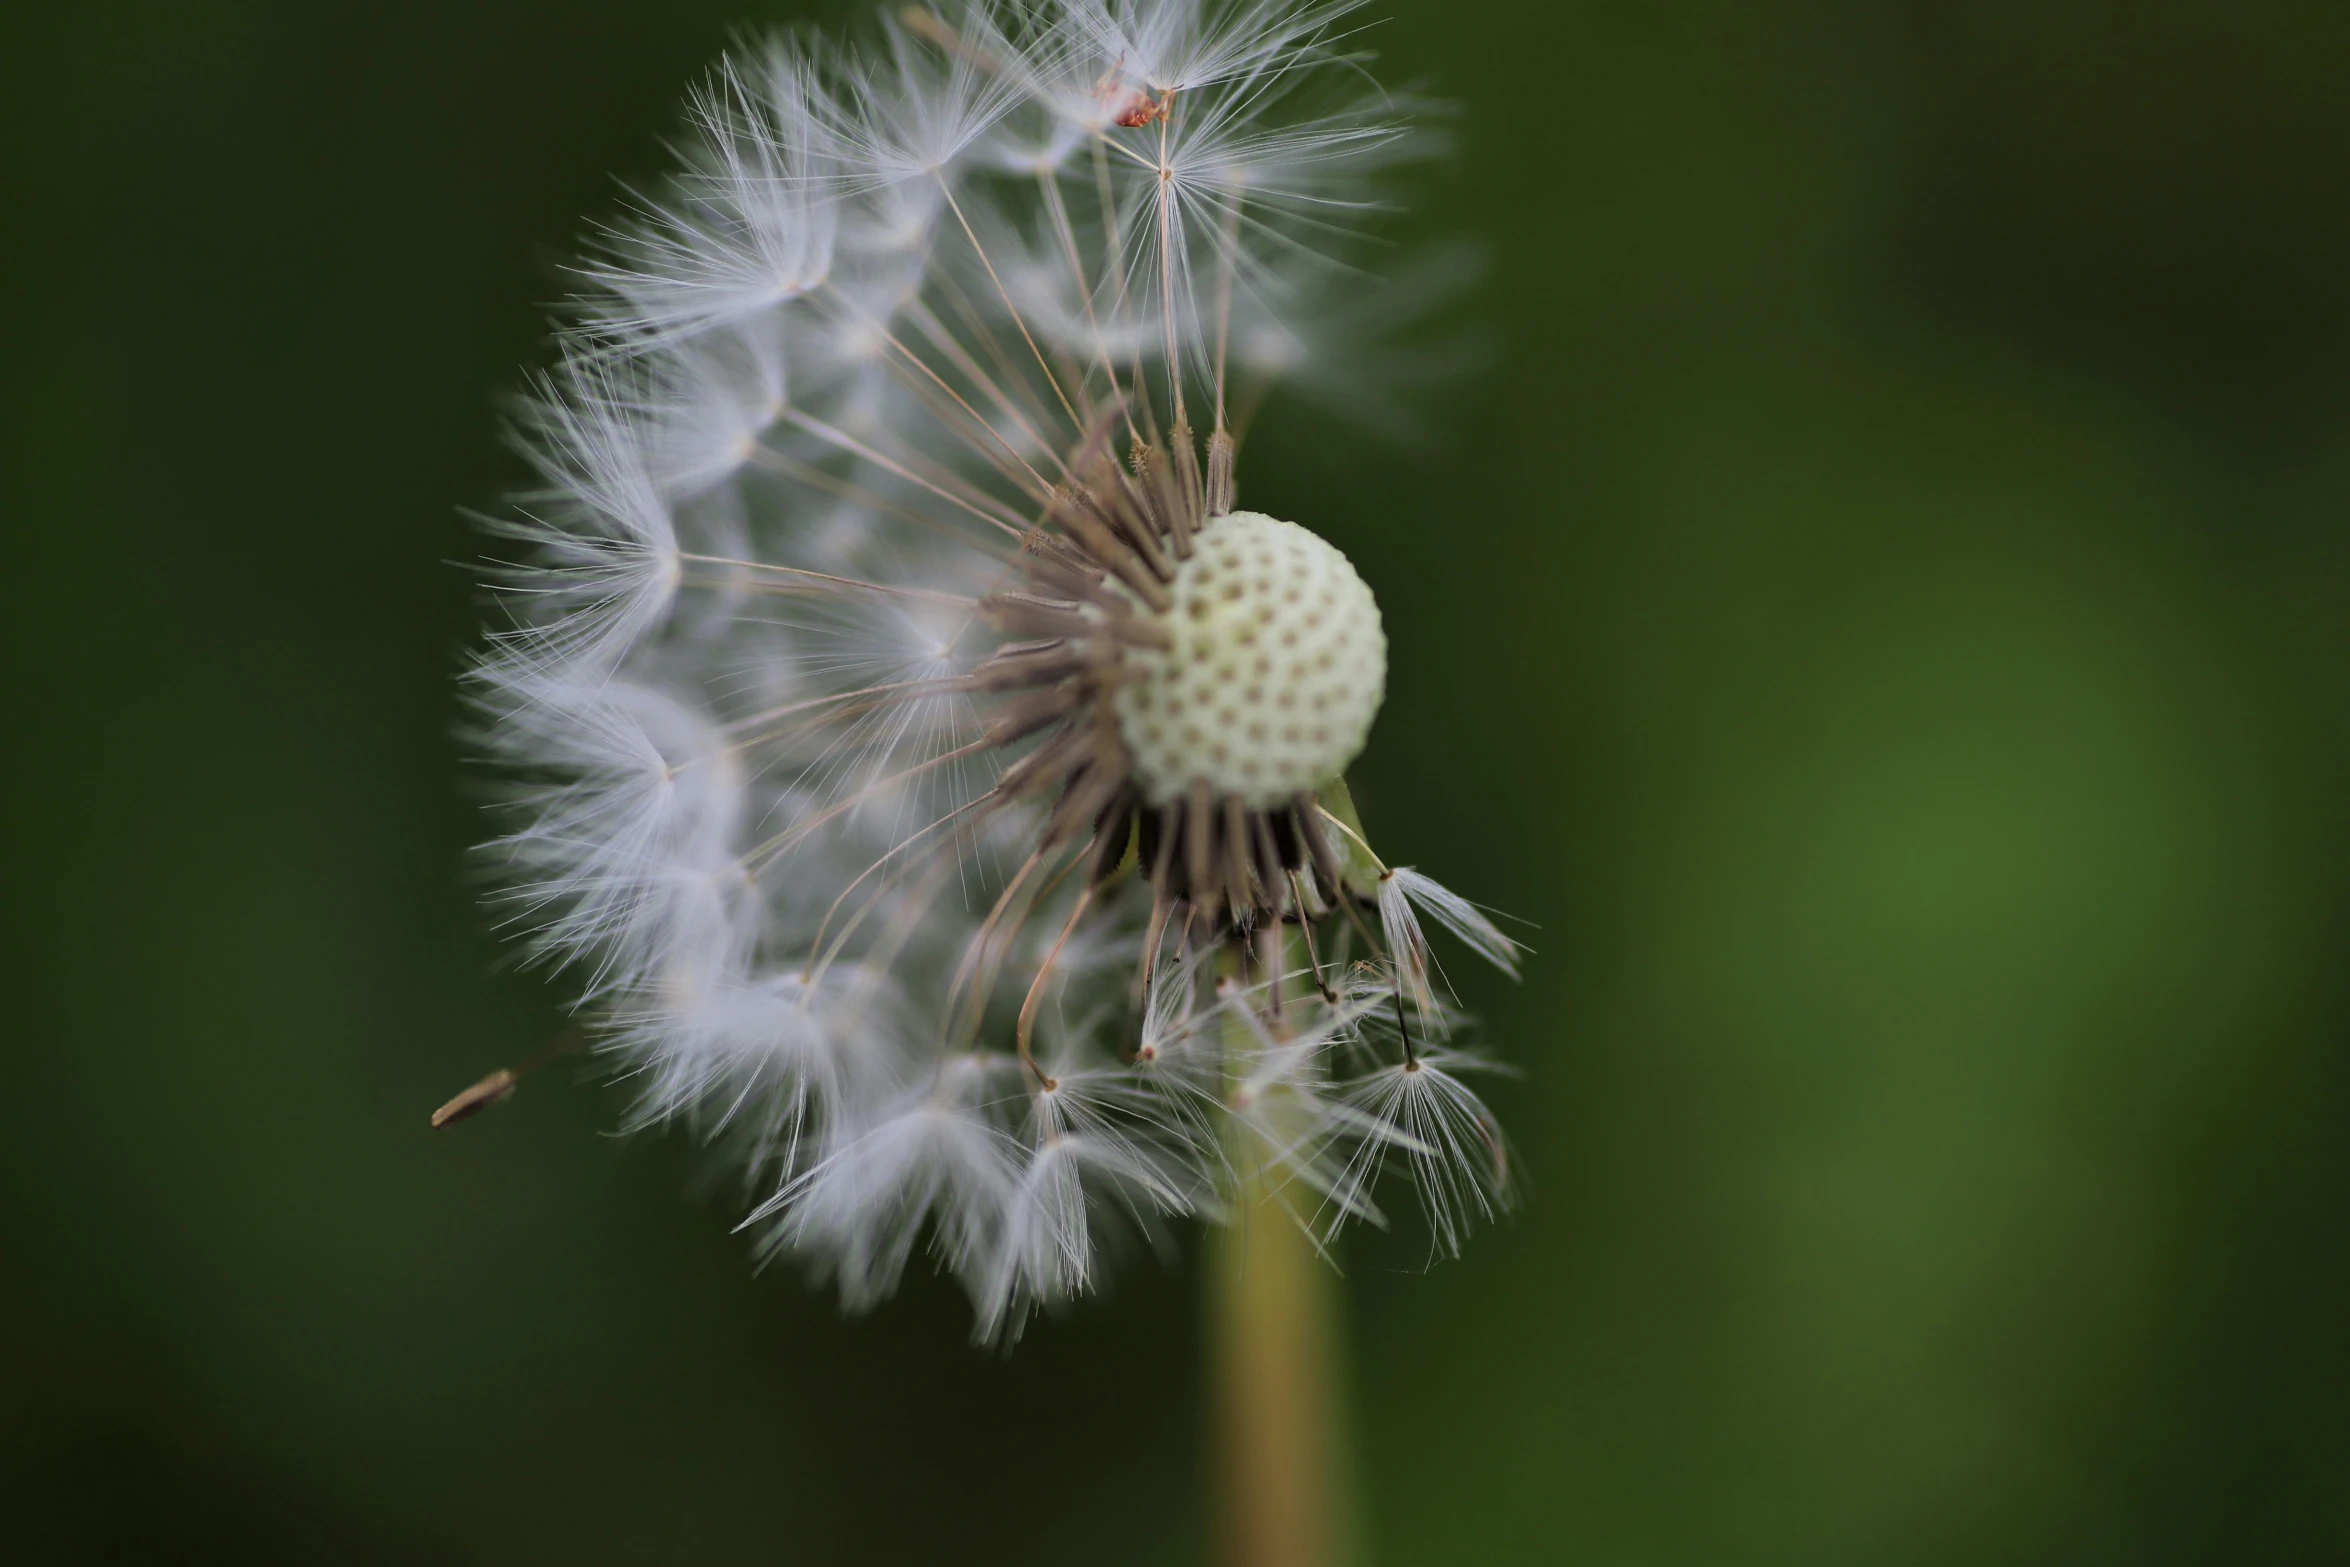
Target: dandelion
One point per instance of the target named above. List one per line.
(930, 771)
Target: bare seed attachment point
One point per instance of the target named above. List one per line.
(1273, 667)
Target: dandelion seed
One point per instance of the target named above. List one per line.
(932, 774)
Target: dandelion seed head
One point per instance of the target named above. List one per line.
(928, 777)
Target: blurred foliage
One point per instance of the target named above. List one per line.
(1880, 620)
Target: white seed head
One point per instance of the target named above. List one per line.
(849, 668)
(1276, 668)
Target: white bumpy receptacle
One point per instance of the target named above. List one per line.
(1276, 670)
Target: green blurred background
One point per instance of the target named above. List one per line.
(1881, 618)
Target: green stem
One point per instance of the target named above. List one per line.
(1274, 1346)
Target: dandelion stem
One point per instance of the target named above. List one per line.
(1274, 1348)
